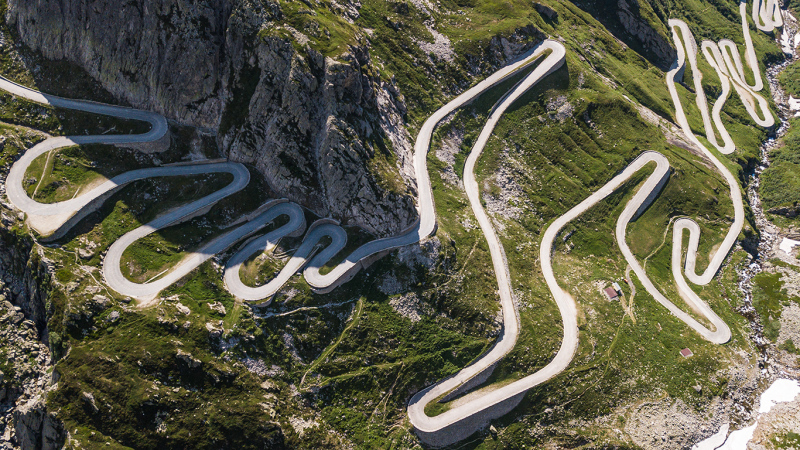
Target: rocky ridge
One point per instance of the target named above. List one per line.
(325, 130)
(310, 123)
(26, 373)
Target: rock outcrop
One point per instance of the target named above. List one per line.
(502, 50)
(788, 211)
(164, 55)
(775, 427)
(545, 11)
(652, 43)
(23, 279)
(311, 124)
(312, 127)
(25, 356)
(635, 23)
(36, 428)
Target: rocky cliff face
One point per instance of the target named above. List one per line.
(24, 354)
(165, 55)
(310, 124)
(636, 24)
(24, 278)
(642, 32)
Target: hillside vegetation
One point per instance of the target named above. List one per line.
(202, 370)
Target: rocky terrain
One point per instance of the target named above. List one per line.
(773, 430)
(322, 99)
(326, 130)
(26, 372)
(309, 122)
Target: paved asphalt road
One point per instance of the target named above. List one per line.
(452, 425)
(47, 218)
(476, 409)
(299, 258)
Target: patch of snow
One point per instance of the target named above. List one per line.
(788, 244)
(782, 390)
(714, 441)
(738, 439)
(786, 42)
(794, 103)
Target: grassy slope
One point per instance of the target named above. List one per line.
(769, 299)
(62, 175)
(568, 148)
(780, 182)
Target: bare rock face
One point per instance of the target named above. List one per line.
(545, 11)
(22, 273)
(24, 313)
(775, 426)
(637, 25)
(634, 24)
(163, 55)
(311, 124)
(502, 50)
(312, 127)
(36, 428)
(788, 211)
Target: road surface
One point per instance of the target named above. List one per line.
(49, 218)
(474, 411)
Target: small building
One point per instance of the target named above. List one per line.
(686, 353)
(611, 293)
(616, 287)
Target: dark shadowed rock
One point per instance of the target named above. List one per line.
(311, 124)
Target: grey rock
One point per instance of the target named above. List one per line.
(35, 428)
(188, 359)
(89, 399)
(101, 301)
(113, 316)
(309, 124)
(545, 11)
(217, 307)
(788, 211)
(145, 53)
(635, 25)
(213, 331)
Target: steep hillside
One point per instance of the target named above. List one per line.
(322, 101)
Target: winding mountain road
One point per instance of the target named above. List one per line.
(305, 254)
(475, 409)
(426, 223)
(723, 56)
(54, 219)
(48, 219)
